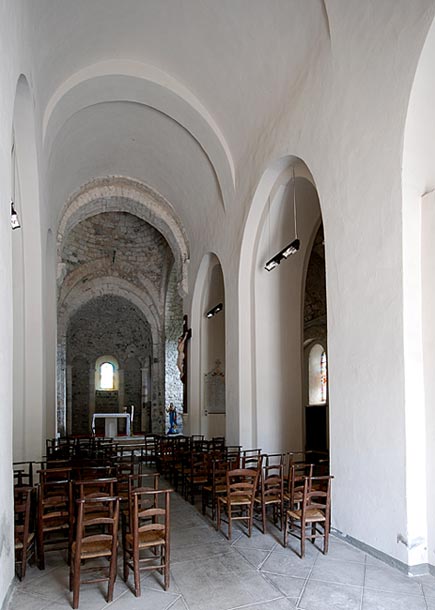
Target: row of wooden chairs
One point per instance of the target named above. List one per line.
(85, 513)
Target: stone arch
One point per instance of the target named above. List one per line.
(276, 176)
(105, 286)
(121, 194)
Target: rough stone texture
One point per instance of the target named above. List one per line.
(107, 325)
(173, 329)
(117, 253)
(80, 385)
(315, 286)
(118, 193)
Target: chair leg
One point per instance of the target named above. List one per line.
(112, 577)
(263, 516)
(167, 573)
(76, 582)
(326, 541)
(136, 573)
(230, 522)
(218, 516)
(40, 548)
(303, 533)
(286, 530)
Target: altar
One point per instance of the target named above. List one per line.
(111, 423)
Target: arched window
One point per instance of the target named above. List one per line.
(317, 375)
(106, 374)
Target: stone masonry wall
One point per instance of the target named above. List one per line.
(173, 329)
(107, 325)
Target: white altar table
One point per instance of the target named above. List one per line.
(111, 423)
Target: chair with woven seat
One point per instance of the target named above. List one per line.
(238, 501)
(216, 485)
(271, 490)
(149, 530)
(23, 529)
(196, 475)
(315, 512)
(294, 489)
(54, 510)
(90, 543)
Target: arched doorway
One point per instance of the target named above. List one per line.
(271, 307)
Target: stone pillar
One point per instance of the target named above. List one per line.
(121, 390)
(91, 395)
(61, 407)
(68, 400)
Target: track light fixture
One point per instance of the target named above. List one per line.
(214, 310)
(285, 253)
(294, 246)
(15, 223)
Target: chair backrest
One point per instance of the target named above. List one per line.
(297, 475)
(22, 508)
(107, 516)
(241, 482)
(23, 473)
(317, 495)
(272, 476)
(151, 512)
(147, 482)
(251, 458)
(99, 487)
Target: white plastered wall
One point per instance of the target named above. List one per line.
(419, 300)
(277, 407)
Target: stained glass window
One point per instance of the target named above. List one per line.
(317, 375)
(323, 377)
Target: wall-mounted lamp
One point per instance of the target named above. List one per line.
(285, 253)
(294, 246)
(216, 309)
(15, 223)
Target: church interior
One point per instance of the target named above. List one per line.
(216, 246)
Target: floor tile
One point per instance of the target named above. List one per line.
(340, 572)
(329, 596)
(342, 551)
(288, 585)
(282, 603)
(385, 578)
(151, 599)
(283, 561)
(382, 600)
(255, 557)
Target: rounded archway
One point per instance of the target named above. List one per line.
(285, 208)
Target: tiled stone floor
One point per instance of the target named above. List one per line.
(210, 573)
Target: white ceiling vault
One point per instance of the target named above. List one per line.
(175, 94)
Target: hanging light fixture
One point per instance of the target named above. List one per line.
(292, 247)
(214, 310)
(15, 223)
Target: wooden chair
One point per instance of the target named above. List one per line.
(54, 510)
(294, 490)
(241, 485)
(23, 474)
(149, 530)
(315, 512)
(271, 491)
(251, 458)
(91, 545)
(23, 529)
(216, 485)
(196, 475)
